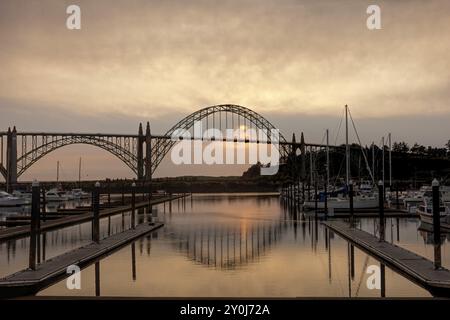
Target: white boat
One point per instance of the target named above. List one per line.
(22, 194)
(8, 200)
(425, 211)
(55, 195)
(79, 194)
(360, 201)
(366, 186)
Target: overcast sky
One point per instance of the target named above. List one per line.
(295, 62)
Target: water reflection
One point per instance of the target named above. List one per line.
(232, 245)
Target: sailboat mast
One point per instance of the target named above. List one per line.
(57, 171)
(311, 181)
(373, 160)
(328, 159)
(382, 146)
(347, 148)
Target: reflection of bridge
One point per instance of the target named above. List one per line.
(23, 149)
(225, 247)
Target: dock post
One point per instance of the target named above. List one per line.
(150, 207)
(325, 204)
(35, 208)
(133, 204)
(350, 193)
(397, 203)
(303, 192)
(315, 197)
(381, 208)
(436, 224)
(96, 213)
(44, 210)
(309, 191)
(109, 193)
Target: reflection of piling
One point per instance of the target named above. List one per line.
(352, 262)
(133, 261)
(97, 279)
(436, 224)
(383, 280)
(35, 208)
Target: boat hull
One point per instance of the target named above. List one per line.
(343, 204)
(427, 218)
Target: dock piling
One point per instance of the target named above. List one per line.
(397, 203)
(315, 198)
(96, 213)
(325, 204)
(350, 193)
(35, 210)
(436, 224)
(133, 204)
(381, 208)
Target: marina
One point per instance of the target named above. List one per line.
(224, 159)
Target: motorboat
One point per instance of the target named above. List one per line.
(79, 194)
(425, 211)
(360, 201)
(26, 195)
(366, 186)
(56, 195)
(8, 200)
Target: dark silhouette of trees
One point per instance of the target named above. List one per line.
(400, 147)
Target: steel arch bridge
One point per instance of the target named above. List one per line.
(142, 152)
(216, 116)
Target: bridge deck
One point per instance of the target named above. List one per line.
(413, 266)
(29, 281)
(23, 231)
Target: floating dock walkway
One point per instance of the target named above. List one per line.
(417, 268)
(28, 282)
(85, 216)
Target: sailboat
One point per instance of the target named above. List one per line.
(341, 200)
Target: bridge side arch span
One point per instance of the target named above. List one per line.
(124, 153)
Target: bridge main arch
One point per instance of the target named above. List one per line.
(162, 146)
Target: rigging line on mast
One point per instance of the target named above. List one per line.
(339, 128)
(362, 150)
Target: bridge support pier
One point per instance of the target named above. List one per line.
(11, 159)
(140, 153)
(148, 153)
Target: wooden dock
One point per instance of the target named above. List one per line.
(28, 282)
(24, 230)
(416, 268)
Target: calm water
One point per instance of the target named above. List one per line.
(230, 245)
